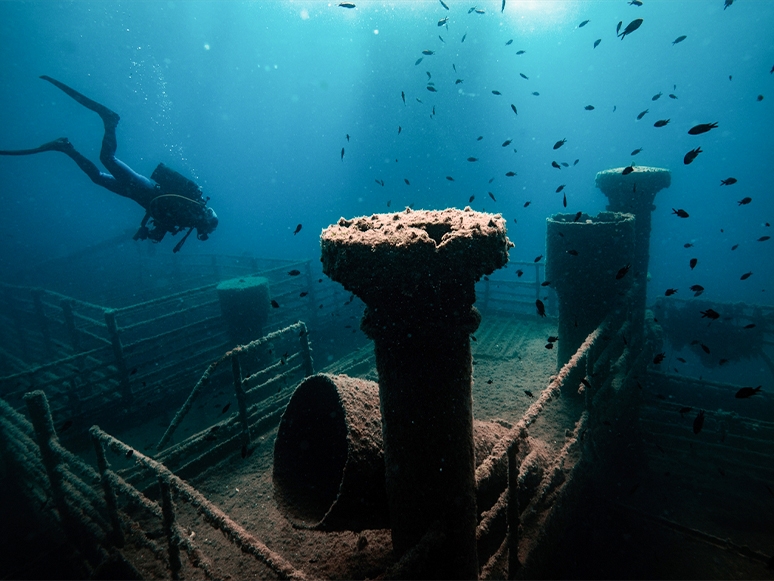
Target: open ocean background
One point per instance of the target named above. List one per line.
(253, 100)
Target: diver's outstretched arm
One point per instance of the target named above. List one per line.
(63, 144)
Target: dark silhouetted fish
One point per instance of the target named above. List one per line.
(541, 308)
(559, 143)
(618, 28)
(659, 358)
(727, 3)
(691, 155)
(464, 36)
(589, 107)
(451, 179)
(274, 304)
(496, 93)
(636, 151)
(763, 238)
(472, 159)
(702, 128)
(710, 314)
(584, 23)
(346, 5)
(693, 262)
(536, 93)
(520, 52)
(746, 392)
(538, 258)
(596, 42)
(642, 114)
(698, 423)
(622, 272)
(627, 170)
(408, 183)
(443, 21)
(225, 408)
(432, 89)
(428, 52)
(672, 96)
(560, 188)
(670, 291)
(556, 165)
(419, 60)
(745, 276)
(577, 216)
(510, 174)
(661, 123)
(444, 5)
(631, 27)
(657, 96)
(507, 142)
(519, 273)
(680, 213)
(679, 39)
(697, 289)
(514, 109)
(527, 203)
(509, 42)
(744, 201)
(342, 154)
(491, 195)
(297, 230)
(728, 182)
(523, 76)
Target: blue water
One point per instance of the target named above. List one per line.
(253, 101)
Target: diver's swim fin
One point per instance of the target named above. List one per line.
(62, 144)
(108, 117)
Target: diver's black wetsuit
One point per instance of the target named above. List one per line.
(169, 211)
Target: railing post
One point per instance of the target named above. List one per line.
(512, 515)
(118, 355)
(168, 515)
(40, 415)
(240, 397)
(306, 350)
(42, 320)
(110, 495)
(537, 281)
(69, 319)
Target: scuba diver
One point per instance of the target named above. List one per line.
(171, 201)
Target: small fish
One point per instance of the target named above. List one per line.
(698, 423)
(523, 76)
(347, 136)
(635, 3)
(509, 42)
(575, 162)
(746, 392)
(432, 89)
(642, 114)
(297, 230)
(661, 123)
(274, 304)
(549, 345)
(679, 39)
(552, 339)
(342, 154)
(763, 238)
(479, 11)
(688, 245)
(701, 128)
(691, 155)
(444, 5)
(419, 60)
(507, 142)
(627, 170)
(536, 94)
(403, 96)
(520, 52)
(564, 201)
(759, 98)
(346, 5)
(529, 393)
(428, 52)
(541, 308)
(491, 195)
(727, 3)
(380, 182)
(704, 348)
(697, 289)
(728, 182)
(659, 358)
(556, 165)
(302, 294)
(672, 96)
(622, 272)
(451, 179)
(496, 93)
(470, 200)
(572, 252)
(472, 159)
(669, 292)
(750, 326)
(693, 262)
(710, 314)
(681, 213)
(510, 174)
(464, 36)
(596, 42)
(584, 23)
(545, 283)
(636, 151)
(502, 8)
(560, 188)
(577, 216)
(538, 258)
(744, 201)
(631, 27)
(399, 129)
(618, 28)
(681, 360)
(559, 143)
(589, 107)
(133, 371)
(225, 408)
(458, 82)
(129, 454)
(527, 204)
(408, 183)
(479, 138)
(657, 96)
(443, 21)
(514, 109)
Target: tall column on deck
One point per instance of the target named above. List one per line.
(416, 272)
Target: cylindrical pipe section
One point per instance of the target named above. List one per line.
(586, 262)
